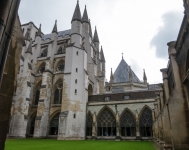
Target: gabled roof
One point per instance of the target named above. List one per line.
(121, 74)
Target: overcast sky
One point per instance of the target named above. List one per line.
(139, 29)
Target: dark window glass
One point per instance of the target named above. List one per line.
(146, 123)
(42, 69)
(89, 125)
(54, 125)
(56, 96)
(61, 67)
(106, 124)
(32, 126)
(44, 53)
(37, 97)
(128, 124)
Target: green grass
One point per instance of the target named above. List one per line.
(49, 144)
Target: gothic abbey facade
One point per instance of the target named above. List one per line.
(61, 91)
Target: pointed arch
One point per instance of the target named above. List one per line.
(89, 124)
(145, 122)
(54, 123)
(106, 107)
(41, 68)
(106, 122)
(128, 123)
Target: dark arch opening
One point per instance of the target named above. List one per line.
(90, 90)
(32, 126)
(106, 123)
(128, 124)
(89, 124)
(146, 123)
(54, 125)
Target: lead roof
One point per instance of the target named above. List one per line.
(121, 74)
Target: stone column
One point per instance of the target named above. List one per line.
(138, 137)
(94, 127)
(42, 119)
(19, 123)
(165, 82)
(117, 126)
(153, 127)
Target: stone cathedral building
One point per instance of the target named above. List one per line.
(61, 90)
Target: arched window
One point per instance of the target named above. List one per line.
(60, 67)
(58, 94)
(89, 124)
(44, 53)
(106, 123)
(32, 125)
(37, 97)
(41, 69)
(54, 125)
(61, 50)
(146, 123)
(128, 124)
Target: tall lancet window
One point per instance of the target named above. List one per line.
(37, 97)
(89, 124)
(44, 53)
(128, 124)
(58, 94)
(146, 123)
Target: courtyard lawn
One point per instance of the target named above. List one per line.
(49, 144)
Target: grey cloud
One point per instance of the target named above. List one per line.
(168, 32)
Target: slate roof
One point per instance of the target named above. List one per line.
(95, 38)
(77, 13)
(60, 34)
(121, 74)
(85, 16)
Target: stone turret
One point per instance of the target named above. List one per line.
(103, 61)
(55, 28)
(111, 77)
(96, 39)
(54, 31)
(145, 78)
(130, 75)
(85, 16)
(76, 29)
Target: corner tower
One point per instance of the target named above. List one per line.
(73, 109)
